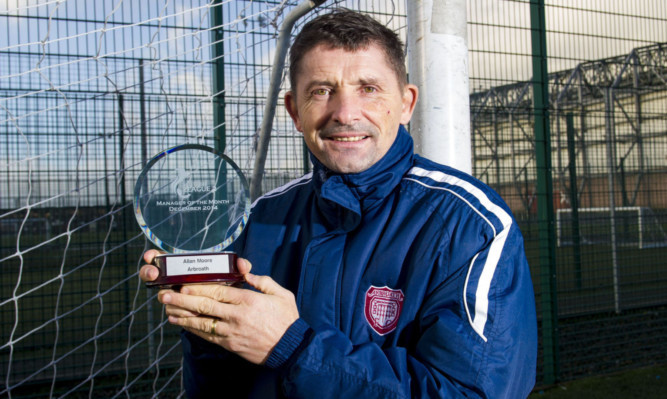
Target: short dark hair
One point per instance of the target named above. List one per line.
(351, 31)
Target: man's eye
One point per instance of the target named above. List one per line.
(369, 89)
(321, 92)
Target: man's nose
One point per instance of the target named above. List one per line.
(346, 107)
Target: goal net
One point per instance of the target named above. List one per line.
(89, 91)
(632, 226)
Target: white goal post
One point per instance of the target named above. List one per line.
(633, 226)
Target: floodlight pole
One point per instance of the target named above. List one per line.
(438, 65)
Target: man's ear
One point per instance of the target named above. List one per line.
(292, 110)
(410, 95)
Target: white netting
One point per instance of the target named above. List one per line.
(89, 91)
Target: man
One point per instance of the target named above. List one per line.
(381, 274)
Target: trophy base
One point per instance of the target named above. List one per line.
(195, 268)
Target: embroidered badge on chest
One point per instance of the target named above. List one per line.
(382, 308)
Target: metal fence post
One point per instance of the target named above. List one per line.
(144, 160)
(574, 197)
(218, 76)
(545, 212)
(611, 169)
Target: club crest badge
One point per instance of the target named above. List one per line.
(382, 308)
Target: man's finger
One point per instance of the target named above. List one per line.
(149, 273)
(217, 292)
(267, 285)
(200, 325)
(150, 255)
(171, 310)
(243, 265)
(201, 305)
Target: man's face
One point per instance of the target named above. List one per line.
(349, 105)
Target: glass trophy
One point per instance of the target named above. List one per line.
(192, 202)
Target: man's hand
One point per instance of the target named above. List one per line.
(150, 272)
(243, 321)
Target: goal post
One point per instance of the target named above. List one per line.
(437, 46)
(634, 226)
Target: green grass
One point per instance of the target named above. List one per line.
(645, 383)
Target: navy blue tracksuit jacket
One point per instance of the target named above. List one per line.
(411, 281)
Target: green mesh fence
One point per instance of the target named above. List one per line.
(606, 134)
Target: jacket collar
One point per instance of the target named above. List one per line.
(359, 192)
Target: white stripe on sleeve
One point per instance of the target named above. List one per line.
(478, 322)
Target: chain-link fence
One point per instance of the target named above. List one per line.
(91, 91)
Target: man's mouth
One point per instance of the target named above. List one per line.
(349, 139)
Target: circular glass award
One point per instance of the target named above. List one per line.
(192, 202)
